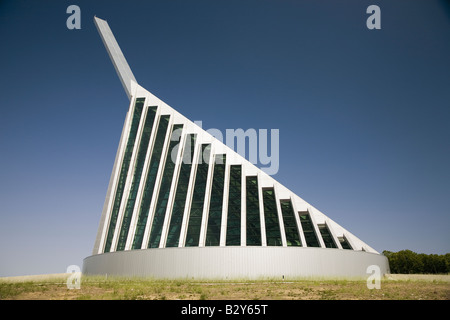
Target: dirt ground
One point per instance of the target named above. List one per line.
(393, 287)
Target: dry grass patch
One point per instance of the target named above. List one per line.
(115, 288)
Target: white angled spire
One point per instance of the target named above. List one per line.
(118, 59)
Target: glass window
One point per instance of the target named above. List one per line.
(150, 181)
(308, 230)
(164, 191)
(176, 219)
(138, 106)
(140, 159)
(253, 216)
(198, 198)
(216, 202)
(234, 207)
(290, 225)
(327, 236)
(344, 243)
(273, 234)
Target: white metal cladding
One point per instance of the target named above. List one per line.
(236, 262)
(156, 262)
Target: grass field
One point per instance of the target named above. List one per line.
(54, 287)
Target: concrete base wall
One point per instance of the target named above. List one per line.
(236, 263)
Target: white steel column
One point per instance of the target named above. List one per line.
(299, 223)
(226, 189)
(243, 207)
(162, 161)
(316, 228)
(137, 205)
(207, 198)
(111, 193)
(350, 242)
(335, 239)
(190, 191)
(129, 179)
(173, 189)
(261, 212)
(280, 217)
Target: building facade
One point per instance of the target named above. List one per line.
(181, 204)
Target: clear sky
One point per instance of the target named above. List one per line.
(364, 115)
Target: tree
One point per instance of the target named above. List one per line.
(407, 261)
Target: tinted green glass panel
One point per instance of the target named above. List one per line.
(345, 244)
(273, 233)
(150, 181)
(290, 225)
(308, 230)
(138, 106)
(164, 191)
(173, 235)
(216, 202)
(140, 159)
(234, 207)
(253, 216)
(198, 199)
(327, 236)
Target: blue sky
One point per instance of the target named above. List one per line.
(364, 115)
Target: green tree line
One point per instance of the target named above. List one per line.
(407, 261)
